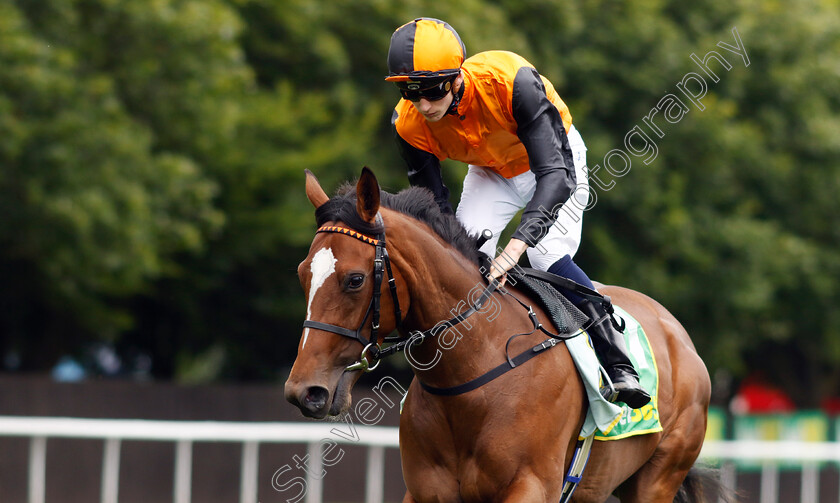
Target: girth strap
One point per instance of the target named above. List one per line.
(491, 374)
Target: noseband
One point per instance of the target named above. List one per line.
(381, 264)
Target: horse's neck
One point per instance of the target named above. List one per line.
(437, 276)
(443, 284)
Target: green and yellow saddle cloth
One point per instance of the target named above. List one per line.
(605, 420)
(612, 421)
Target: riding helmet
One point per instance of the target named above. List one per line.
(424, 50)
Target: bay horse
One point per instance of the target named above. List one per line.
(511, 439)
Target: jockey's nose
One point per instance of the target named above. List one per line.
(424, 105)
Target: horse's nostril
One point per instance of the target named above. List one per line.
(315, 398)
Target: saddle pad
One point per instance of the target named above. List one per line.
(645, 419)
(567, 318)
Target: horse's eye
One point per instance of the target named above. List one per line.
(355, 281)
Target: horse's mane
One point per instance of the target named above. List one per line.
(416, 202)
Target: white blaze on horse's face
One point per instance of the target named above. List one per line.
(322, 267)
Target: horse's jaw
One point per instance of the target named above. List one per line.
(342, 396)
(317, 400)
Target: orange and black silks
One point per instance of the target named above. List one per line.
(510, 119)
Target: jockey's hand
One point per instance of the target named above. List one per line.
(506, 260)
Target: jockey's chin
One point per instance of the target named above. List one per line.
(433, 111)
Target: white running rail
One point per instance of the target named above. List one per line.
(184, 433)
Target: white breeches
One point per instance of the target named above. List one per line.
(490, 201)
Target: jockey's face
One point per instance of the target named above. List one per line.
(434, 111)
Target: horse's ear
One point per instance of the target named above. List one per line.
(314, 192)
(367, 195)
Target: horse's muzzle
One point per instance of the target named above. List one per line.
(312, 401)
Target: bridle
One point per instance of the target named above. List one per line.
(381, 264)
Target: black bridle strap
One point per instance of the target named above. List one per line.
(353, 334)
(378, 272)
(392, 284)
(330, 328)
(381, 259)
(381, 263)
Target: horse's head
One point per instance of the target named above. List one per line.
(339, 277)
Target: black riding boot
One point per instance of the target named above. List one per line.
(610, 347)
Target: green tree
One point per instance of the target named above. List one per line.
(93, 213)
(152, 156)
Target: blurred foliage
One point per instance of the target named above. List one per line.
(152, 156)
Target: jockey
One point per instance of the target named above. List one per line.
(494, 112)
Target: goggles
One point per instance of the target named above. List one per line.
(412, 91)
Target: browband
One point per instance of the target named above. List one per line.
(350, 232)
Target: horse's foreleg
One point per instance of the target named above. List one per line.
(524, 488)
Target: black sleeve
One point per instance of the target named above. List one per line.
(423, 169)
(541, 130)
